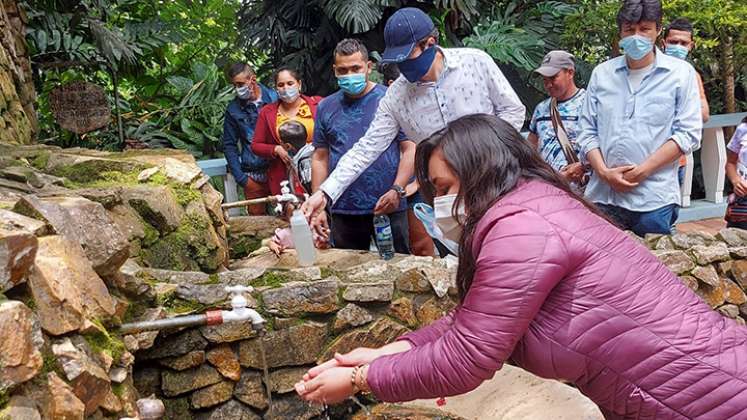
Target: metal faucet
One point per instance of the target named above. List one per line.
(239, 312)
(285, 197)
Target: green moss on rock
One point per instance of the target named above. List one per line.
(151, 235)
(271, 279)
(99, 172)
(189, 248)
(240, 247)
(104, 342)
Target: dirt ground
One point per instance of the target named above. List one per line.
(515, 394)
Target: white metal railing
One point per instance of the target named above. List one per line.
(712, 157)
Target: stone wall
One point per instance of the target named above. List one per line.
(349, 299)
(17, 117)
(73, 223)
(714, 267)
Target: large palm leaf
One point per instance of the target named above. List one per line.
(357, 15)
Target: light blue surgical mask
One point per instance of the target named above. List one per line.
(244, 92)
(288, 95)
(676, 50)
(427, 217)
(352, 84)
(636, 46)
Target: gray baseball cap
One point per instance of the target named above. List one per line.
(555, 61)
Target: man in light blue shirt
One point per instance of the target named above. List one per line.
(642, 113)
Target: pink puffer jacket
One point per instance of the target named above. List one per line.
(565, 295)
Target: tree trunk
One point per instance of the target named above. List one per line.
(18, 122)
(727, 73)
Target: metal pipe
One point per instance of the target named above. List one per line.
(166, 323)
(243, 203)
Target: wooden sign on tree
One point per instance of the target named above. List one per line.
(80, 107)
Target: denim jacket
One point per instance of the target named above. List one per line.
(238, 131)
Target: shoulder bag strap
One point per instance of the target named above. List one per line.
(561, 134)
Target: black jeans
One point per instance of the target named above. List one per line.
(356, 231)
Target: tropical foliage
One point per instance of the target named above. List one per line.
(163, 59)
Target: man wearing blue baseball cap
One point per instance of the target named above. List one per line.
(437, 86)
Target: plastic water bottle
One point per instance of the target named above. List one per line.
(384, 240)
(302, 239)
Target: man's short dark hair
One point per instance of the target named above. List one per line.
(680, 24)
(237, 68)
(634, 11)
(389, 71)
(350, 46)
(434, 33)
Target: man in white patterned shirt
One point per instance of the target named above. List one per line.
(437, 86)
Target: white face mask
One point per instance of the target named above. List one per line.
(445, 220)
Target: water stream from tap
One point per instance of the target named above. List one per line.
(264, 369)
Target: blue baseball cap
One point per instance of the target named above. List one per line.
(402, 32)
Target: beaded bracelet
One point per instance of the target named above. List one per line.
(353, 375)
(360, 381)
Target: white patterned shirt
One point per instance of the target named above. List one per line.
(470, 83)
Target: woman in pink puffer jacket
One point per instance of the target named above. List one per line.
(547, 283)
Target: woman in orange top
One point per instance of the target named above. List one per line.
(292, 105)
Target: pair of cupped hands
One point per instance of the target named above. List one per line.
(331, 381)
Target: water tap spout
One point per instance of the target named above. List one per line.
(240, 311)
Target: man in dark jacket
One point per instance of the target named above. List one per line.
(249, 170)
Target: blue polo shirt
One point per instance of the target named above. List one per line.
(340, 123)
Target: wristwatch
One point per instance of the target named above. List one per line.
(400, 191)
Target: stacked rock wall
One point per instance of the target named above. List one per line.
(17, 117)
(714, 267)
(350, 299)
(71, 224)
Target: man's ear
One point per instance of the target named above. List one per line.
(369, 70)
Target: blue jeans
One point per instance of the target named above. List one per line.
(681, 175)
(660, 220)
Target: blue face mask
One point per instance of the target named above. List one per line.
(288, 95)
(677, 51)
(636, 46)
(416, 68)
(244, 93)
(352, 84)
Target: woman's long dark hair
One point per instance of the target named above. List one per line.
(489, 157)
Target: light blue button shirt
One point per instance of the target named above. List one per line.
(628, 126)
(470, 83)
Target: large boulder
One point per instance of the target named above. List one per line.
(85, 222)
(66, 289)
(20, 356)
(17, 253)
